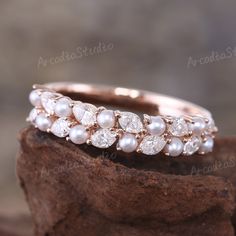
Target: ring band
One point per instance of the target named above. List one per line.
(171, 125)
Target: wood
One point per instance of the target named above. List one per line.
(82, 190)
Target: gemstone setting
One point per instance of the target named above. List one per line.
(152, 144)
(33, 115)
(48, 100)
(85, 113)
(191, 146)
(176, 132)
(103, 138)
(179, 127)
(130, 122)
(61, 127)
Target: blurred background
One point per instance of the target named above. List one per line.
(185, 49)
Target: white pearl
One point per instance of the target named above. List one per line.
(78, 134)
(128, 143)
(175, 148)
(34, 98)
(63, 108)
(43, 122)
(157, 126)
(198, 125)
(106, 119)
(210, 125)
(207, 146)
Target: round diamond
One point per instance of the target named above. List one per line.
(130, 122)
(192, 146)
(152, 144)
(179, 127)
(85, 113)
(61, 127)
(48, 100)
(103, 138)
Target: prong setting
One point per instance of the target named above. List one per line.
(175, 135)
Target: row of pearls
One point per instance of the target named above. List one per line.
(106, 119)
(127, 143)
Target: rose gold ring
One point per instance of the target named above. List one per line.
(76, 112)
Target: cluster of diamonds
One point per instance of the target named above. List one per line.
(85, 123)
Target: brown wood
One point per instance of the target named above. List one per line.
(82, 190)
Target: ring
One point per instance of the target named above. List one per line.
(154, 123)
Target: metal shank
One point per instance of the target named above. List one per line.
(130, 98)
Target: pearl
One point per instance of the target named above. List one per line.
(128, 143)
(175, 148)
(78, 134)
(63, 108)
(198, 125)
(157, 126)
(34, 98)
(207, 146)
(43, 122)
(106, 119)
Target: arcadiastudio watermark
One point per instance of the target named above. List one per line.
(215, 166)
(213, 57)
(78, 53)
(71, 165)
(66, 167)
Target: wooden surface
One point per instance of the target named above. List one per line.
(83, 190)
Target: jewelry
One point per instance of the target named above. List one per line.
(176, 127)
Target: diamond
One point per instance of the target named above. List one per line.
(152, 144)
(61, 127)
(130, 122)
(32, 115)
(48, 100)
(85, 113)
(179, 127)
(103, 138)
(192, 146)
